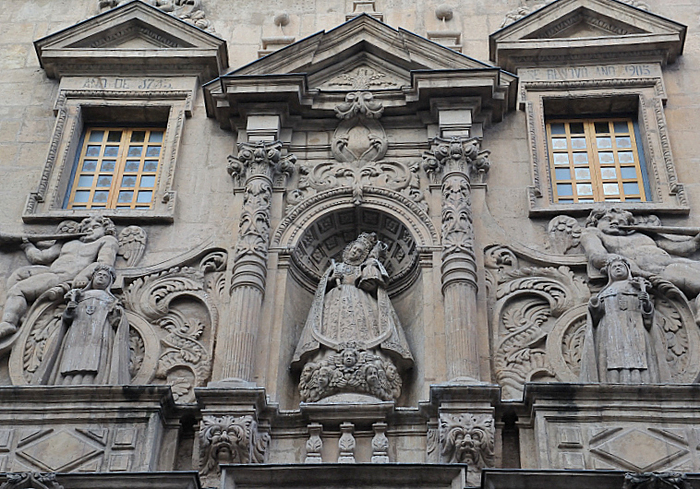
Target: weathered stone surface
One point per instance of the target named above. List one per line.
(486, 280)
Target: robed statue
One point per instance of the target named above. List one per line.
(352, 340)
(91, 345)
(622, 343)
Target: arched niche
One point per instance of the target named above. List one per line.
(317, 231)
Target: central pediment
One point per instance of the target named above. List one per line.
(397, 49)
(360, 54)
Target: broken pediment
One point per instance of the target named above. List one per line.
(134, 38)
(587, 30)
(363, 53)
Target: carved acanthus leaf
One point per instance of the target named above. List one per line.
(260, 158)
(456, 154)
(559, 286)
(183, 360)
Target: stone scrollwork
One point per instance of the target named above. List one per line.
(31, 480)
(167, 318)
(656, 480)
(359, 145)
(528, 301)
(230, 439)
(467, 439)
(176, 302)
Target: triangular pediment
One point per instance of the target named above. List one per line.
(580, 29)
(362, 44)
(120, 37)
(403, 70)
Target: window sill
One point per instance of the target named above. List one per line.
(583, 209)
(127, 216)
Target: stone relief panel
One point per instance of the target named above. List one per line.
(527, 304)
(364, 78)
(64, 260)
(88, 448)
(157, 328)
(191, 11)
(352, 342)
(358, 145)
(620, 307)
(611, 445)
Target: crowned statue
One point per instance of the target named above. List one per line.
(352, 341)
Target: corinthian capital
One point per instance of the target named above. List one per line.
(260, 158)
(456, 154)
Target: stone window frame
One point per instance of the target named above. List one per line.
(77, 109)
(667, 194)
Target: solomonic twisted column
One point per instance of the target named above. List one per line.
(256, 164)
(454, 160)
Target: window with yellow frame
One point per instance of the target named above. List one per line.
(117, 169)
(595, 160)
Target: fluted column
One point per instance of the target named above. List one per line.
(453, 161)
(256, 164)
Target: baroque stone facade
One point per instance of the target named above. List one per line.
(349, 242)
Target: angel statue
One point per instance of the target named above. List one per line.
(352, 340)
(92, 344)
(68, 261)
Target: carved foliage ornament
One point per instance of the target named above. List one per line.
(188, 10)
(359, 145)
(363, 78)
(179, 304)
(230, 439)
(656, 480)
(31, 480)
(528, 300)
(260, 158)
(456, 154)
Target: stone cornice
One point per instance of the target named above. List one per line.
(94, 46)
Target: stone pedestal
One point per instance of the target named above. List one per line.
(638, 428)
(87, 429)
